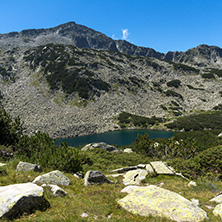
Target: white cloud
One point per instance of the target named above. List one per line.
(114, 37)
(125, 34)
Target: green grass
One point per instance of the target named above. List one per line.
(100, 200)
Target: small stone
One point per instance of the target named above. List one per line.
(56, 190)
(209, 207)
(2, 164)
(196, 202)
(161, 184)
(109, 216)
(156, 144)
(192, 184)
(78, 175)
(220, 135)
(127, 150)
(141, 166)
(95, 217)
(84, 215)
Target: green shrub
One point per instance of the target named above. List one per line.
(41, 149)
(186, 68)
(204, 138)
(55, 62)
(10, 130)
(218, 107)
(127, 118)
(207, 162)
(174, 83)
(174, 94)
(136, 81)
(3, 172)
(217, 72)
(163, 107)
(208, 76)
(165, 148)
(156, 84)
(198, 122)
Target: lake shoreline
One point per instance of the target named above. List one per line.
(118, 130)
(116, 137)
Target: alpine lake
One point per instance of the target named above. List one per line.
(118, 138)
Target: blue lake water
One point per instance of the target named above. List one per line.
(119, 138)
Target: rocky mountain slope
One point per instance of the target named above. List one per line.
(67, 91)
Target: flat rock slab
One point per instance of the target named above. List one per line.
(156, 201)
(134, 177)
(131, 188)
(19, 198)
(217, 198)
(124, 169)
(95, 177)
(161, 168)
(24, 166)
(218, 210)
(54, 177)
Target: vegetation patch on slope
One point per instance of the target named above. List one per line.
(204, 121)
(126, 119)
(64, 70)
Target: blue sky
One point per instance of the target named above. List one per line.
(165, 25)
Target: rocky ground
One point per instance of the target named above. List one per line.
(28, 95)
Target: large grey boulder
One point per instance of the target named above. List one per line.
(156, 201)
(95, 177)
(24, 166)
(100, 145)
(54, 177)
(17, 199)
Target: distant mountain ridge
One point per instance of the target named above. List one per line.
(83, 37)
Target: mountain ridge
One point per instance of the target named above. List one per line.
(83, 37)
